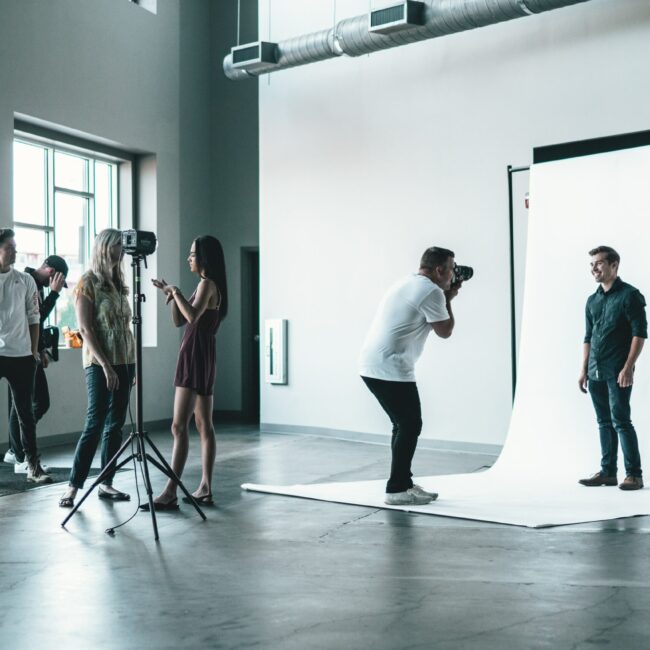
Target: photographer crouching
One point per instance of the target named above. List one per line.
(409, 310)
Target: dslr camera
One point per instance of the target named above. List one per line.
(138, 242)
(461, 274)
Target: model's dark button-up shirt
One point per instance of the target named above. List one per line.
(612, 319)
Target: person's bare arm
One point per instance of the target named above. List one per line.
(444, 328)
(177, 318)
(84, 311)
(205, 291)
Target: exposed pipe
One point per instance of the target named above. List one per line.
(351, 36)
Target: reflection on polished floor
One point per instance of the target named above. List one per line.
(282, 573)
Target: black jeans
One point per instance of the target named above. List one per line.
(612, 406)
(401, 401)
(40, 406)
(19, 372)
(104, 419)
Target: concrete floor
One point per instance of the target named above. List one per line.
(281, 573)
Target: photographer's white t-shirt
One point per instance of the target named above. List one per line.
(400, 329)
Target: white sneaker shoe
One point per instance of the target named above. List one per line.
(21, 468)
(408, 498)
(10, 457)
(422, 492)
(36, 474)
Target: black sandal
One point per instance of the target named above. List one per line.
(66, 502)
(203, 500)
(161, 507)
(113, 496)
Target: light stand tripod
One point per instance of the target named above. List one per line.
(140, 436)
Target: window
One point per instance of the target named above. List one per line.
(63, 196)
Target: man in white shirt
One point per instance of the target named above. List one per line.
(19, 325)
(409, 310)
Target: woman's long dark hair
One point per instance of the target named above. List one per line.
(210, 260)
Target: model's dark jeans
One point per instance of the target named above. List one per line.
(40, 406)
(19, 372)
(401, 401)
(104, 419)
(612, 405)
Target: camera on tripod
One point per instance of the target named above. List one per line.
(138, 242)
(461, 274)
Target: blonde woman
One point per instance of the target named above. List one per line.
(104, 317)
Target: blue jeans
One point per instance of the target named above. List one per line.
(104, 418)
(612, 406)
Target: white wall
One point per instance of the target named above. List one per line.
(113, 70)
(365, 162)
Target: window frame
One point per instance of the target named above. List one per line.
(53, 142)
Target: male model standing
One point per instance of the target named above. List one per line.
(407, 313)
(52, 274)
(616, 329)
(19, 324)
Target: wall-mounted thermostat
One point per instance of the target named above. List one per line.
(275, 351)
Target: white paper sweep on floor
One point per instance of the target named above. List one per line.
(576, 204)
(485, 498)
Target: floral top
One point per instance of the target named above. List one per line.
(111, 321)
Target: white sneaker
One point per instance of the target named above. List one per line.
(408, 498)
(36, 474)
(21, 468)
(422, 492)
(10, 457)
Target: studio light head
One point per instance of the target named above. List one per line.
(138, 242)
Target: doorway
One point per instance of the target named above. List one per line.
(250, 300)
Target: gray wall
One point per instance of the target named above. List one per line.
(144, 81)
(366, 161)
(236, 184)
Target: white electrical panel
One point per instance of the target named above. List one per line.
(275, 351)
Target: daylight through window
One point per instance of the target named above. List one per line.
(62, 199)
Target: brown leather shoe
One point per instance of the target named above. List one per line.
(632, 483)
(598, 479)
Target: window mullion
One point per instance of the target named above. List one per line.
(92, 230)
(50, 217)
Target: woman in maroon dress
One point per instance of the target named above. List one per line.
(195, 370)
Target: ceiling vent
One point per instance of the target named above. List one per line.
(397, 17)
(365, 34)
(253, 56)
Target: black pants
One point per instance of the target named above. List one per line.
(40, 406)
(19, 372)
(401, 401)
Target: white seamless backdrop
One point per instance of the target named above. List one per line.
(576, 204)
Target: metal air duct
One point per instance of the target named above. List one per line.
(351, 36)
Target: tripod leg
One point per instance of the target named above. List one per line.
(102, 475)
(172, 475)
(142, 457)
